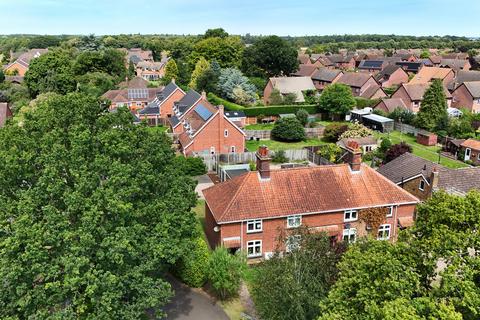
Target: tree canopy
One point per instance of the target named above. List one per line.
(94, 209)
(433, 113)
(337, 99)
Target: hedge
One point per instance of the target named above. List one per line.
(365, 103)
(216, 100)
(256, 111)
(276, 110)
(192, 268)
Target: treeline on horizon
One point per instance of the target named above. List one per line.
(317, 44)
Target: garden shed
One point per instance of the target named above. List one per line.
(378, 123)
(427, 138)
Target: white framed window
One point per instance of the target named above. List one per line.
(390, 212)
(254, 226)
(293, 243)
(350, 215)
(384, 232)
(421, 186)
(254, 248)
(225, 133)
(232, 149)
(350, 235)
(212, 150)
(294, 221)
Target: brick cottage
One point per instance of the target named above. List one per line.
(249, 211)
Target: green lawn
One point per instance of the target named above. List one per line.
(277, 145)
(158, 129)
(260, 126)
(326, 123)
(428, 153)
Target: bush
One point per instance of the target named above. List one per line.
(405, 116)
(226, 272)
(2, 76)
(302, 116)
(259, 83)
(280, 157)
(330, 152)
(191, 268)
(192, 166)
(396, 151)
(333, 131)
(288, 129)
(365, 103)
(357, 130)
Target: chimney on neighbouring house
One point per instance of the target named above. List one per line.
(263, 163)
(434, 179)
(204, 95)
(221, 108)
(355, 155)
(173, 80)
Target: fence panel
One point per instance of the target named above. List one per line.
(406, 128)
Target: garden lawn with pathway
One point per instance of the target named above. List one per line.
(252, 145)
(426, 152)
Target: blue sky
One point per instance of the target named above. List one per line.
(281, 17)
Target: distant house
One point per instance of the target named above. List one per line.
(421, 177)
(391, 75)
(161, 108)
(304, 59)
(305, 70)
(467, 95)
(136, 55)
(410, 67)
(471, 149)
(135, 96)
(428, 74)
(389, 105)
(150, 71)
(463, 76)
(456, 55)
(412, 95)
(207, 130)
(435, 59)
(373, 92)
(250, 211)
(372, 66)
(359, 82)
(288, 85)
(455, 64)
(20, 66)
(367, 144)
(5, 113)
(341, 61)
(183, 107)
(237, 117)
(406, 56)
(324, 77)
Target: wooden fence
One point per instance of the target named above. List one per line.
(266, 134)
(246, 157)
(406, 128)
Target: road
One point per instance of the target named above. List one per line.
(188, 304)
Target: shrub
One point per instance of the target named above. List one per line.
(290, 98)
(405, 116)
(191, 268)
(280, 157)
(357, 130)
(214, 99)
(329, 152)
(385, 144)
(259, 83)
(226, 272)
(333, 131)
(302, 116)
(2, 76)
(396, 151)
(192, 166)
(288, 129)
(365, 103)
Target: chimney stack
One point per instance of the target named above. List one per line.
(263, 163)
(204, 95)
(434, 179)
(173, 80)
(355, 155)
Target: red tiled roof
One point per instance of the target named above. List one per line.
(301, 191)
(471, 143)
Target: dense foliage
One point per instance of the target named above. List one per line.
(225, 272)
(233, 85)
(191, 268)
(93, 211)
(337, 99)
(396, 151)
(334, 130)
(192, 166)
(290, 286)
(288, 129)
(433, 109)
(356, 130)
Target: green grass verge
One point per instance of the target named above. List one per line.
(260, 126)
(426, 152)
(277, 145)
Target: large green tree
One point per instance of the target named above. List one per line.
(433, 113)
(51, 72)
(171, 72)
(290, 286)
(201, 67)
(269, 57)
(337, 99)
(226, 51)
(110, 61)
(93, 211)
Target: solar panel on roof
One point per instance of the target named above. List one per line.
(137, 93)
(203, 112)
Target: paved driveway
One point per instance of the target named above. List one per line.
(204, 182)
(187, 304)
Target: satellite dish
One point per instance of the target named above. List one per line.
(216, 229)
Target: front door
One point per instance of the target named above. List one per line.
(468, 152)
